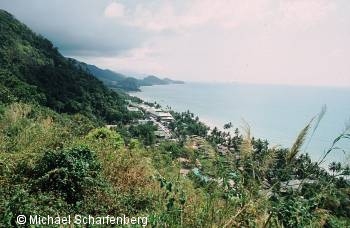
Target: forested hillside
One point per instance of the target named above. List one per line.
(119, 81)
(110, 78)
(32, 70)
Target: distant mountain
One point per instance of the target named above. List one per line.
(109, 78)
(170, 81)
(120, 81)
(152, 80)
(105, 75)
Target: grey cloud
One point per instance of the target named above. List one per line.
(77, 28)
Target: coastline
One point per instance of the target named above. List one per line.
(268, 118)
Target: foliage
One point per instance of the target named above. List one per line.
(32, 70)
(144, 132)
(100, 134)
(69, 172)
(186, 124)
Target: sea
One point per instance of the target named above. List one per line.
(274, 112)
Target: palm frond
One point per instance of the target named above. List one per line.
(319, 117)
(343, 135)
(246, 146)
(298, 143)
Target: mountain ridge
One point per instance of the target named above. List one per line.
(117, 80)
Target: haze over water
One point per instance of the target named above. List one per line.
(274, 112)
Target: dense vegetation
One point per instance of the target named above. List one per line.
(56, 158)
(42, 171)
(32, 70)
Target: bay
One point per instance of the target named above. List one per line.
(274, 112)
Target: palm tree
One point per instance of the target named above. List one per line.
(346, 171)
(338, 167)
(333, 167)
(228, 125)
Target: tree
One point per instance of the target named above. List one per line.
(335, 167)
(228, 125)
(70, 173)
(145, 132)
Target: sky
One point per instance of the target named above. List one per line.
(294, 42)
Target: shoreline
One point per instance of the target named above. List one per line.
(283, 135)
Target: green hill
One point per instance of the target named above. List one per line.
(32, 70)
(110, 78)
(104, 75)
(119, 81)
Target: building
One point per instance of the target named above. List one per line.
(111, 126)
(294, 184)
(161, 134)
(156, 113)
(144, 121)
(133, 109)
(160, 114)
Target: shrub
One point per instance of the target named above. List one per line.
(69, 172)
(134, 144)
(21, 202)
(103, 133)
(144, 132)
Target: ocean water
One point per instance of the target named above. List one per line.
(276, 113)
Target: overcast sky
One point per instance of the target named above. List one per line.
(304, 42)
